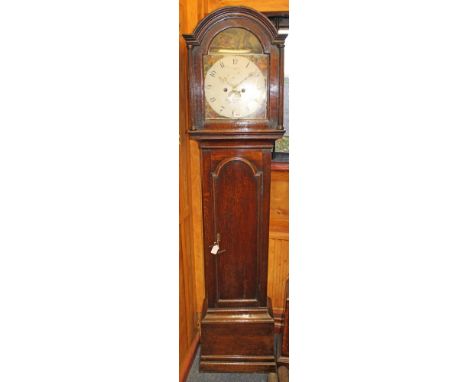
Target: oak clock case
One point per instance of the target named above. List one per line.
(236, 105)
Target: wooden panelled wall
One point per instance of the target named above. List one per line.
(191, 276)
(278, 251)
(189, 15)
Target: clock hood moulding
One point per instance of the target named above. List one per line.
(222, 14)
(203, 125)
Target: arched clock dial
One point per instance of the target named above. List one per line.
(235, 87)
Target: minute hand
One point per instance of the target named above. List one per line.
(245, 79)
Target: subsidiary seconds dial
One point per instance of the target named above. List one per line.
(235, 87)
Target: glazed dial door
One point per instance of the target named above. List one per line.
(235, 87)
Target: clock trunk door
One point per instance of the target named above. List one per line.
(234, 215)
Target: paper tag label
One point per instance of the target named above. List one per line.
(215, 249)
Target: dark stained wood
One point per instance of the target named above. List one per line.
(278, 19)
(238, 340)
(236, 199)
(273, 44)
(237, 325)
(283, 357)
(236, 202)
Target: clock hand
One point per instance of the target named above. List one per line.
(234, 91)
(245, 79)
(225, 80)
(233, 88)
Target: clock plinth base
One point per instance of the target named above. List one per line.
(237, 340)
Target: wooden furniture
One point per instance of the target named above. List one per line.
(236, 107)
(282, 361)
(283, 356)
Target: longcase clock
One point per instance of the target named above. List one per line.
(236, 106)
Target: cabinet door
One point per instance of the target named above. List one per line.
(235, 197)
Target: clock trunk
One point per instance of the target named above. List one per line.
(237, 324)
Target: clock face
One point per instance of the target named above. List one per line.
(236, 87)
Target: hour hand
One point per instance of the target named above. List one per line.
(225, 80)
